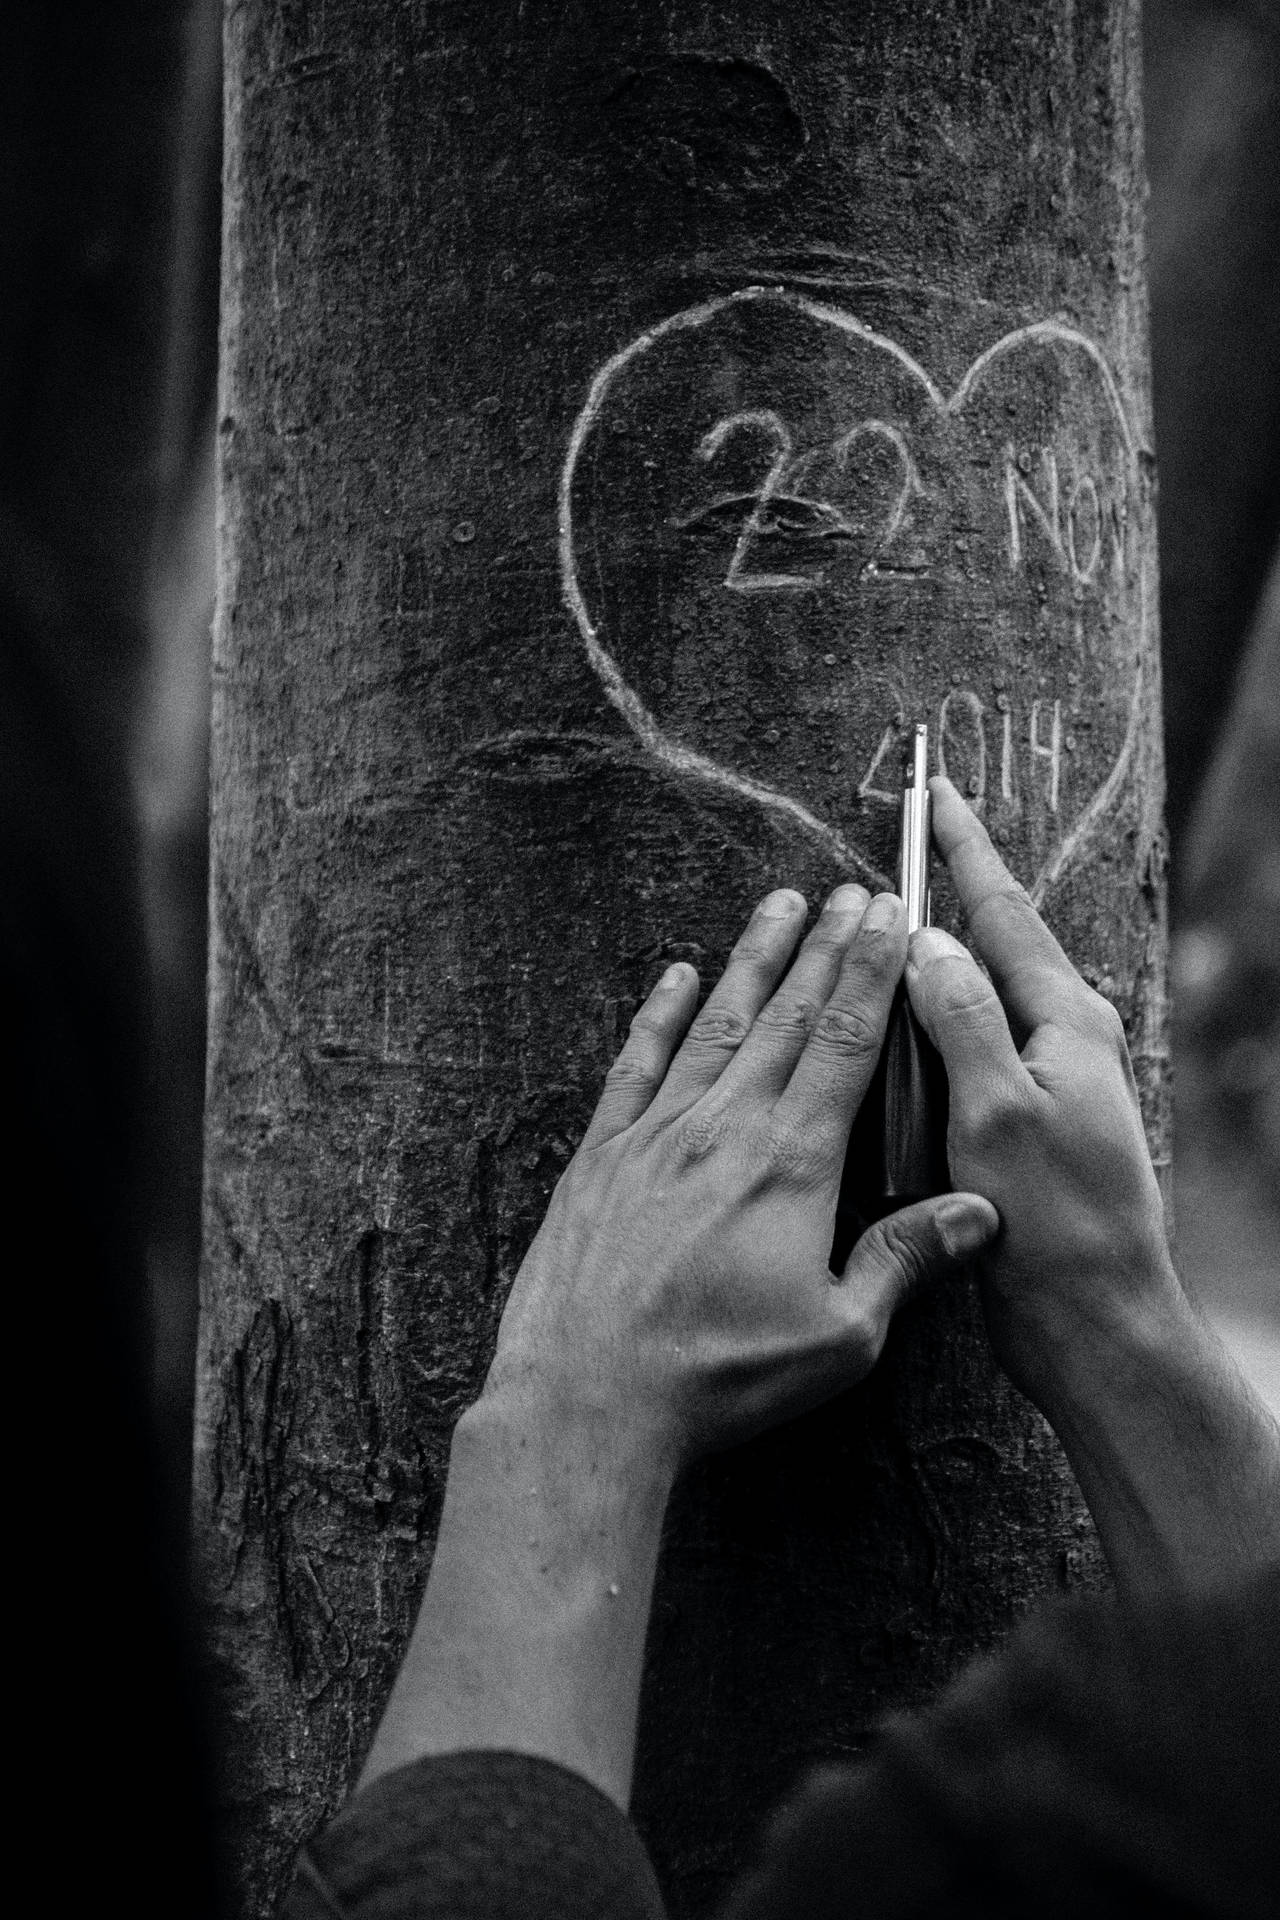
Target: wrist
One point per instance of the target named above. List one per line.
(1092, 1339)
(1119, 1354)
(532, 1628)
(585, 1467)
(1179, 1465)
(571, 1412)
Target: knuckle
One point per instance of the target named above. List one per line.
(903, 1251)
(957, 984)
(719, 1029)
(965, 1000)
(787, 1147)
(875, 940)
(1106, 1023)
(1010, 896)
(757, 951)
(1007, 902)
(861, 1344)
(789, 1013)
(630, 1070)
(827, 938)
(848, 1031)
(875, 962)
(647, 1019)
(699, 1132)
(992, 1120)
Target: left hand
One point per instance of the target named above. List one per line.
(679, 1286)
(1045, 1121)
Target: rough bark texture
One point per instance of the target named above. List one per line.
(629, 415)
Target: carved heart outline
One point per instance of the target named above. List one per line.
(685, 760)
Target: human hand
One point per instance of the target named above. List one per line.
(678, 1297)
(1045, 1122)
(679, 1285)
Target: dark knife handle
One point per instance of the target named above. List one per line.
(913, 1161)
(897, 1149)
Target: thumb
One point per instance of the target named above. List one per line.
(910, 1250)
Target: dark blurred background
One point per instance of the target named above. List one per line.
(1213, 150)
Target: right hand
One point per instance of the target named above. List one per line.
(1045, 1123)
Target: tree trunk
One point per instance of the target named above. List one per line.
(631, 416)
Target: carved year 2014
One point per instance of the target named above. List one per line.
(959, 734)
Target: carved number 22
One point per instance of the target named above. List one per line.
(784, 468)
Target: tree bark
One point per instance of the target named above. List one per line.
(630, 416)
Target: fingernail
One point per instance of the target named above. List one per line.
(933, 943)
(882, 913)
(964, 1228)
(782, 905)
(673, 976)
(849, 898)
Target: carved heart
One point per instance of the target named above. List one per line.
(776, 509)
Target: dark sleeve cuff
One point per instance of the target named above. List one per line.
(1108, 1762)
(477, 1836)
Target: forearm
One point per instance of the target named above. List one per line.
(531, 1632)
(1177, 1458)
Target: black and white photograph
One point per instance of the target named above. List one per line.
(640, 931)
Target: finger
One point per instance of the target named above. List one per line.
(783, 1025)
(905, 1252)
(960, 1011)
(1031, 972)
(639, 1070)
(834, 1070)
(756, 965)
